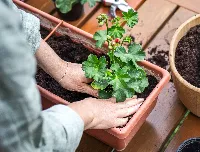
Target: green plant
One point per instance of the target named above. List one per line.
(66, 5)
(120, 76)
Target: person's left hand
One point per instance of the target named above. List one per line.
(75, 80)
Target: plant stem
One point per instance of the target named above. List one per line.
(122, 42)
(107, 26)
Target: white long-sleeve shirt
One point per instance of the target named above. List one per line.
(24, 127)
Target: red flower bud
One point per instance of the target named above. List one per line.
(117, 40)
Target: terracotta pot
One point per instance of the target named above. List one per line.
(188, 94)
(74, 14)
(115, 137)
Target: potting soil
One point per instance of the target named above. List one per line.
(187, 56)
(77, 53)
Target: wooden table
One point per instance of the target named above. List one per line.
(170, 123)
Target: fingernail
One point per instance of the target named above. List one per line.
(139, 105)
(140, 99)
(134, 97)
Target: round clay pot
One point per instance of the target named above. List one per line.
(74, 14)
(190, 145)
(188, 94)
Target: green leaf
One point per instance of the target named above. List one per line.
(105, 94)
(95, 68)
(100, 37)
(121, 53)
(131, 17)
(116, 31)
(134, 53)
(91, 2)
(99, 85)
(116, 20)
(119, 81)
(119, 95)
(139, 84)
(136, 73)
(138, 80)
(127, 39)
(65, 5)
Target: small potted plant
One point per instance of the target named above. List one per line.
(71, 10)
(184, 57)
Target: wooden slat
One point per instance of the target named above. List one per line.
(88, 12)
(168, 111)
(189, 129)
(192, 5)
(163, 38)
(91, 25)
(162, 120)
(90, 144)
(152, 15)
(44, 5)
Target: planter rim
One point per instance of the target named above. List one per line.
(165, 77)
(51, 18)
(172, 55)
(123, 132)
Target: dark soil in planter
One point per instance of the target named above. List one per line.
(44, 32)
(77, 53)
(152, 84)
(187, 57)
(68, 51)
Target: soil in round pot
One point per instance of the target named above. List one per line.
(187, 56)
(77, 53)
(75, 13)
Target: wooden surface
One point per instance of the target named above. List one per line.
(158, 20)
(44, 5)
(91, 25)
(160, 123)
(88, 12)
(152, 15)
(90, 144)
(163, 38)
(190, 128)
(192, 5)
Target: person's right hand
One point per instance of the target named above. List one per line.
(104, 114)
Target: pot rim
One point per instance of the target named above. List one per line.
(187, 142)
(172, 54)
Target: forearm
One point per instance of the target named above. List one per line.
(49, 61)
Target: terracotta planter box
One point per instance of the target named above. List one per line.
(115, 137)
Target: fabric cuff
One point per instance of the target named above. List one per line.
(71, 121)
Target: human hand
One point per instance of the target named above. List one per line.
(104, 114)
(75, 79)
